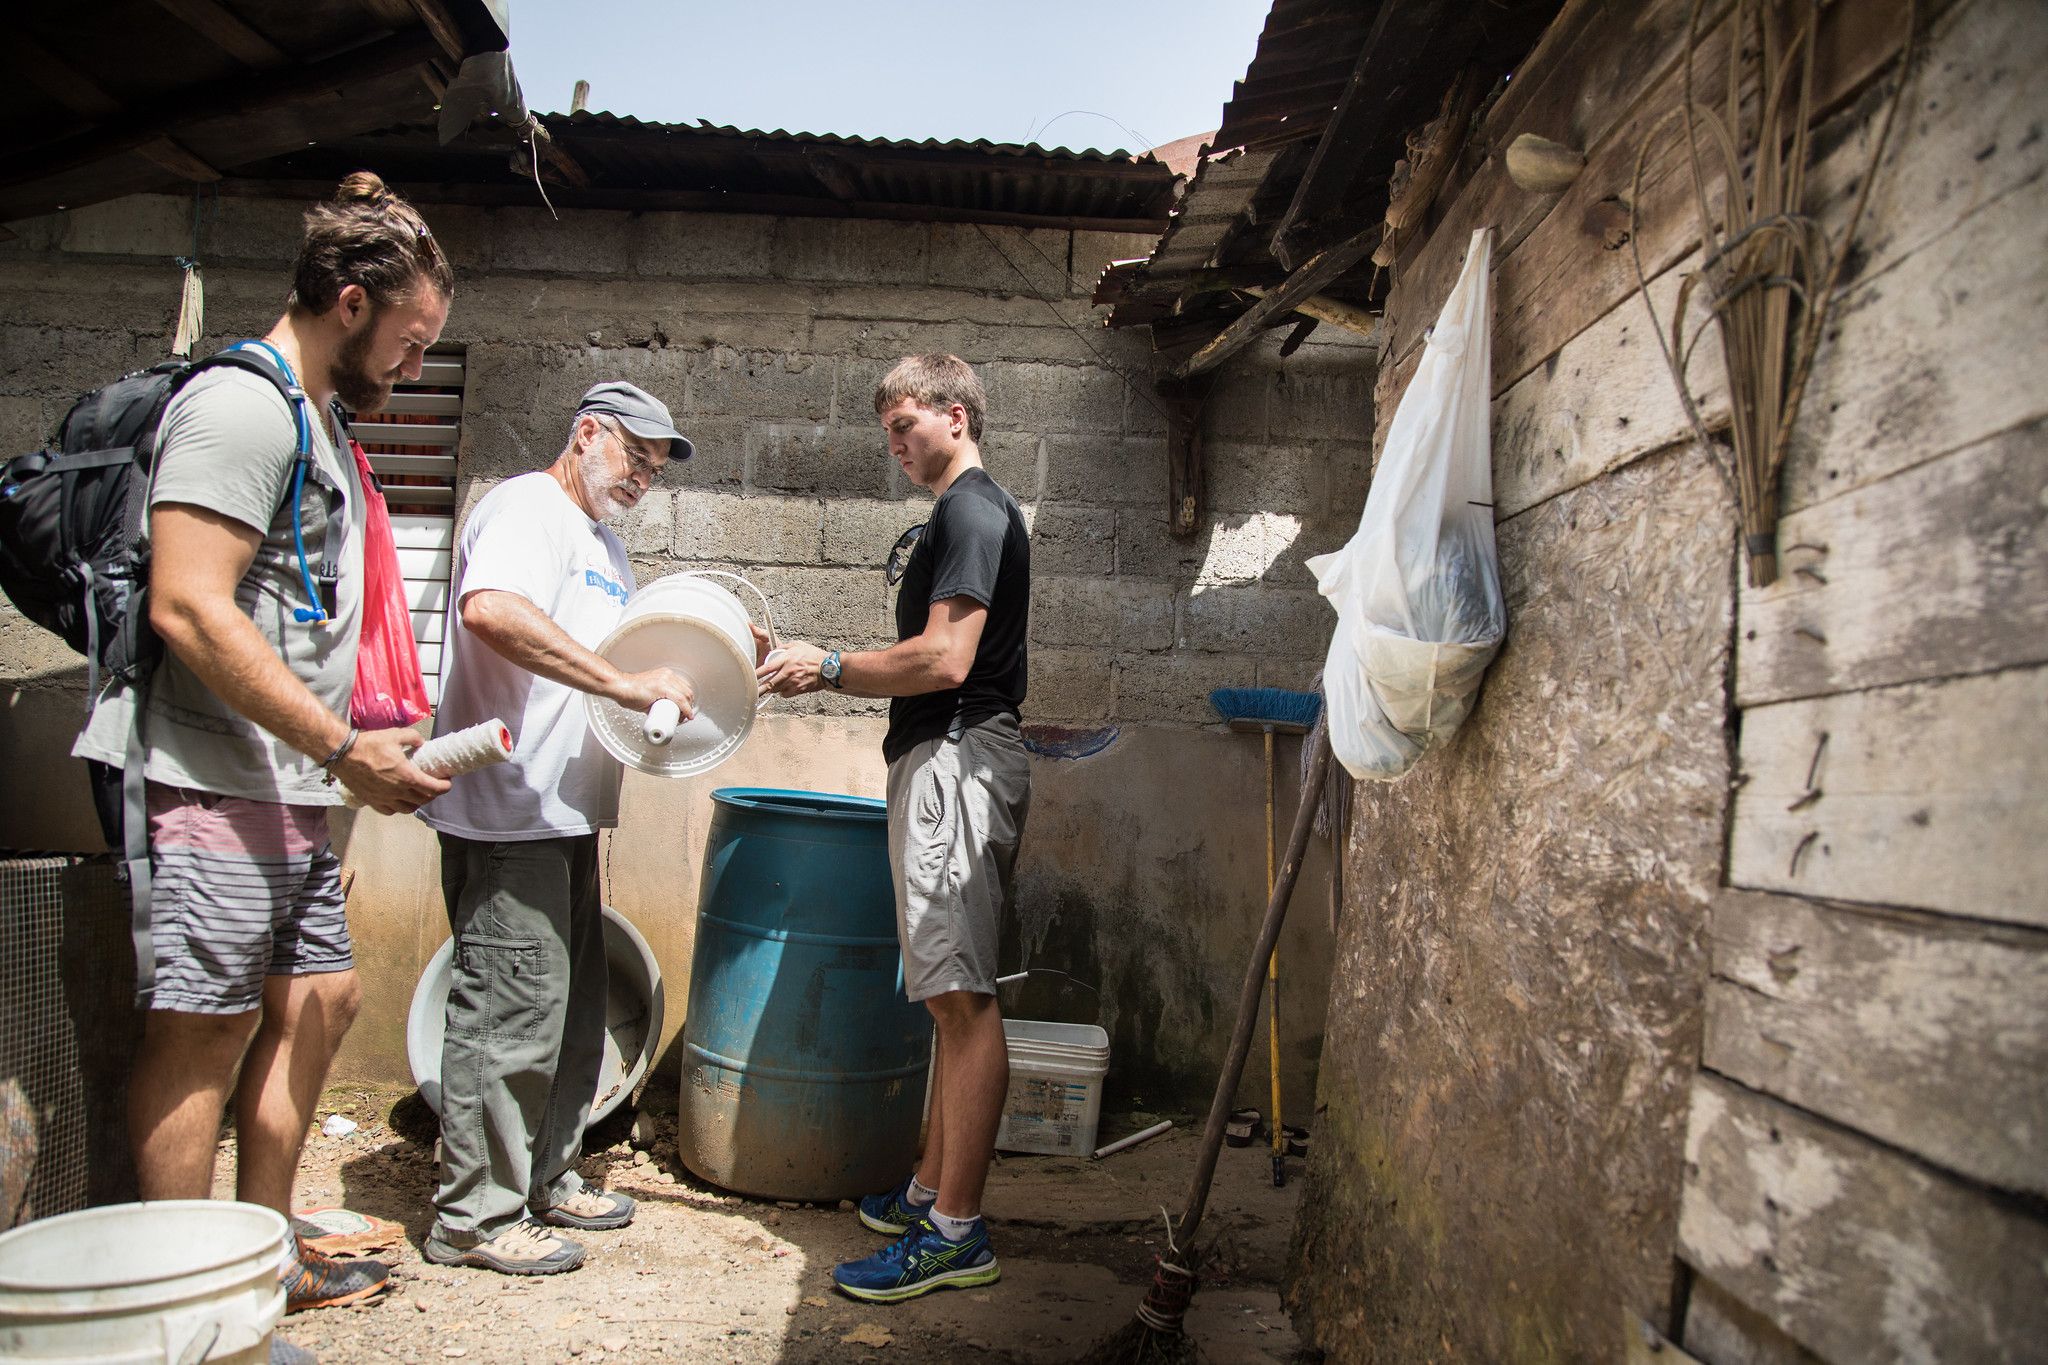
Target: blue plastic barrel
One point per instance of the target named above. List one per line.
(803, 1065)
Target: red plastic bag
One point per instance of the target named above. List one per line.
(389, 688)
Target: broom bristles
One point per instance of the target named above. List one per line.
(1134, 1343)
(1267, 705)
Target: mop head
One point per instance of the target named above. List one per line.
(1264, 706)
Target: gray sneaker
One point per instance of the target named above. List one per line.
(590, 1210)
(525, 1248)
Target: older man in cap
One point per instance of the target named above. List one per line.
(541, 580)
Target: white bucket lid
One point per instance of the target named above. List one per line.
(1045, 1032)
(700, 630)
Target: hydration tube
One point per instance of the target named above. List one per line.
(316, 613)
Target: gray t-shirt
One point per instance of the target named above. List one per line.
(228, 444)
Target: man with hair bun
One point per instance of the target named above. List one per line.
(245, 730)
(959, 789)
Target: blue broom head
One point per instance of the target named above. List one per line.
(1267, 706)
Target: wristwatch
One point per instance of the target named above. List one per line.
(829, 670)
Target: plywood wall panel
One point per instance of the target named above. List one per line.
(1514, 1024)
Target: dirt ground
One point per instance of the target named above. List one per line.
(703, 1275)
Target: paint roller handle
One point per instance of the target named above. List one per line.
(464, 751)
(662, 719)
(641, 692)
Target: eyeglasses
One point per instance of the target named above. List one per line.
(639, 462)
(899, 554)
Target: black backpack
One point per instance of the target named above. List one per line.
(72, 557)
(74, 561)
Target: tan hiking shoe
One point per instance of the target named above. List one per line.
(525, 1248)
(591, 1210)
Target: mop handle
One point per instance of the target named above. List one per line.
(463, 751)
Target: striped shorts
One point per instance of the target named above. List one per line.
(241, 890)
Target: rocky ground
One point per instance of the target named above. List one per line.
(703, 1275)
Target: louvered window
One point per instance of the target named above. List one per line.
(412, 445)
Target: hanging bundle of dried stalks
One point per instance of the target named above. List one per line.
(1768, 268)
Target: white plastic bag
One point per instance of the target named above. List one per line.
(1417, 588)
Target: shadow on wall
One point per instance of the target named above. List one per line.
(1141, 884)
(48, 804)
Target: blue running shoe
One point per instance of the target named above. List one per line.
(892, 1214)
(918, 1262)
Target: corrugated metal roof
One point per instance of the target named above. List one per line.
(626, 162)
(600, 118)
(1305, 55)
(1304, 58)
(1219, 241)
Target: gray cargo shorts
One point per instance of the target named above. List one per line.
(956, 815)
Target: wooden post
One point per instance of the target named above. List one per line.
(580, 99)
(1184, 399)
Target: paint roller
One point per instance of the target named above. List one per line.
(664, 716)
(463, 751)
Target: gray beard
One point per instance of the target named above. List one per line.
(599, 492)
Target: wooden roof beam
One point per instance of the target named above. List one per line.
(1318, 271)
(179, 160)
(224, 30)
(1389, 64)
(442, 25)
(130, 131)
(76, 91)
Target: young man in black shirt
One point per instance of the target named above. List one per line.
(959, 787)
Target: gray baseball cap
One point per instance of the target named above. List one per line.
(639, 412)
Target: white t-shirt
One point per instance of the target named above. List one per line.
(527, 537)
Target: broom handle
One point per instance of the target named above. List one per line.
(1273, 982)
(1248, 999)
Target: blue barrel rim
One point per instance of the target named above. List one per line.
(812, 804)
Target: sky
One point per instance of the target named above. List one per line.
(1111, 74)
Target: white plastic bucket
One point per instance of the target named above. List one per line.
(634, 1006)
(165, 1283)
(1055, 1097)
(689, 623)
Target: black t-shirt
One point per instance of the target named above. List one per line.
(975, 545)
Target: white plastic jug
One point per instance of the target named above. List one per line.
(694, 625)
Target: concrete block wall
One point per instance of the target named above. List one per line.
(766, 337)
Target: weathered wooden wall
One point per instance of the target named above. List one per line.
(1702, 982)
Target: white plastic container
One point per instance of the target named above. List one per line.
(1055, 1097)
(634, 1005)
(697, 627)
(163, 1283)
